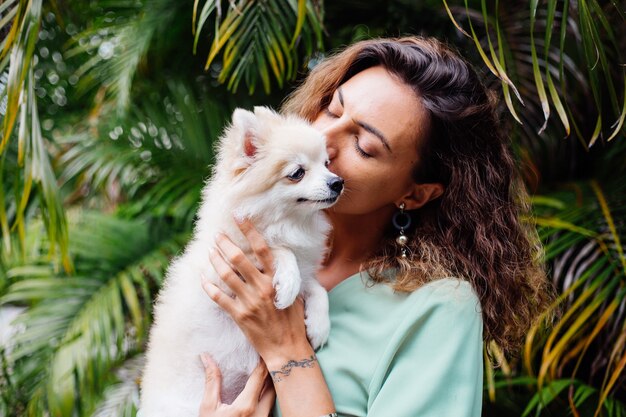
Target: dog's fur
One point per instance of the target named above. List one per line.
(256, 155)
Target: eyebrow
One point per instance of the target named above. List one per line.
(367, 127)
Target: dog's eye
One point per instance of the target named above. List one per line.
(296, 175)
(327, 163)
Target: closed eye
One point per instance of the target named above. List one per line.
(330, 114)
(360, 150)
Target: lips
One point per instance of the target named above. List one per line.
(325, 201)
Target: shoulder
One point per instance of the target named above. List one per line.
(447, 303)
(449, 296)
(438, 342)
(442, 315)
(446, 292)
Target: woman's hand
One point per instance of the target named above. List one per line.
(277, 335)
(256, 399)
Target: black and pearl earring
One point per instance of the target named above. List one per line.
(402, 221)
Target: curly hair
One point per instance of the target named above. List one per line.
(476, 229)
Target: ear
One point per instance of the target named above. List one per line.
(420, 194)
(247, 123)
(266, 113)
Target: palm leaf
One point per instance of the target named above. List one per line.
(113, 51)
(121, 399)
(21, 44)
(84, 325)
(545, 82)
(156, 159)
(21, 104)
(588, 268)
(577, 393)
(258, 39)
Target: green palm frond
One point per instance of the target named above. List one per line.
(77, 329)
(156, 159)
(24, 18)
(121, 399)
(33, 261)
(21, 111)
(8, 11)
(550, 398)
(560, 55)
(112, 50)
(9, 173)
(258, 40)
(583, 230)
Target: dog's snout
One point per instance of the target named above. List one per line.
(336, 184)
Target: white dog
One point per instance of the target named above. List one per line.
(270, 169)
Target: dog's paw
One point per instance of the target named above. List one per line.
(286, 279)
(286, 292)
(317, 329)
(316, 314)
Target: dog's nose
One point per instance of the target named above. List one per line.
(336, 184)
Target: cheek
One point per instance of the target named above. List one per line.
(381, 188)
(364, 184)
(279, 190)
(380, 184)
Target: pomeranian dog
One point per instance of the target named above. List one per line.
(271, 169)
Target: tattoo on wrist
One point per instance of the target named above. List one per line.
(278, 376)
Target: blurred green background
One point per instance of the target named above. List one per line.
(109, 111)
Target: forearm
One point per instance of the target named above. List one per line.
(299, 383)
(278, 335)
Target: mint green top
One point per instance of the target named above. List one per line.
(404, 355)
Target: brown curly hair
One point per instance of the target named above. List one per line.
(475, 229)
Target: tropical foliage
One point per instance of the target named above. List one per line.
(581, 219)
(109, 110)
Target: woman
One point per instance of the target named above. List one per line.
(427, 257)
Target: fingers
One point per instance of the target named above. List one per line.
(217, 295)
(249, 397)
(212, 384)
(236, 257)
(258, 245)
(247, 403)
(266, 402)
(225, 272)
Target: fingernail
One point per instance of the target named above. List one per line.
(203, 277)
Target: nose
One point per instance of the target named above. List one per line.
(331, 148)
(336, 184)
(332, 130)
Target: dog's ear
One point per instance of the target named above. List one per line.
(266, 113)
(248, 124)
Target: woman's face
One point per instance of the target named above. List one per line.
(372, 127)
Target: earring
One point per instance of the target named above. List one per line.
(401, 221)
